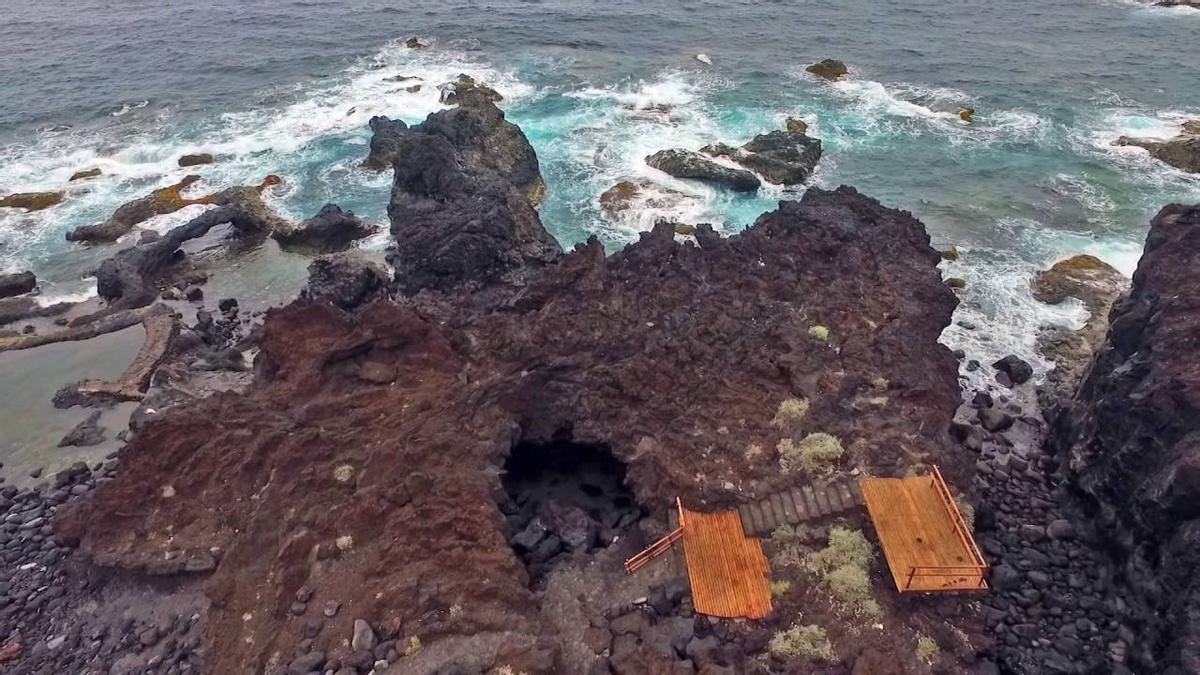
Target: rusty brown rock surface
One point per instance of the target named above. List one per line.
(674, 355)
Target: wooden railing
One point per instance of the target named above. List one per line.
(653, 551)
(659, 547)
(978, 567)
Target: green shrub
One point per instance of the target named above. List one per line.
(414, 646)
(808, 642)
(844, 567)
(791, 412)
(819, 333)
(846, 547)
(780, 587)
(880, 384)
(927, 648)
(816, 454)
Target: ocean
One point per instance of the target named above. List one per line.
(288, 87)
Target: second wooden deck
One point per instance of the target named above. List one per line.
(924, 539)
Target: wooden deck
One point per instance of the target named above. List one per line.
(927, 545)
(728, 570)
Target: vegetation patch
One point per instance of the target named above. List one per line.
(780, 587)
(809, 642)
(927, 648)
(791, 412)
(844, 566)
(819, 333)
(816, 454)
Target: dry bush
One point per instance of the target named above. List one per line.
(816, 454)
(809, 642)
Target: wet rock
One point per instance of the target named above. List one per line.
(467, 89)
(86, 173)
(829, 69)
(331, 229)
(618, 198)
(692, 165)
(796, 126)
(782, 157)
(385, 142)
(1181, 152)
(196, 159)
(414, 43)
(346, 280)
(32, 201)
(1017, 369)
(17, 283)
(86, 433)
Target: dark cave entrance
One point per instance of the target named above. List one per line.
(562, 499)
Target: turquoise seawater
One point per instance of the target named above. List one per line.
(288, 87)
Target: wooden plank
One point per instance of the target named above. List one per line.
(727, 570)
(917, 531)
(798, 500)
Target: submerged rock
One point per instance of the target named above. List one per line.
(1181, 152)
(1016, 369)
(692, 165)
(86, 433)
(17, 283)
(829, 69)
(414, 43)
(32, 201)
(332, 229)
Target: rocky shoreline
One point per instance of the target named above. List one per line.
(360, 481)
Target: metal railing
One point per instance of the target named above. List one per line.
(978, 568)
(659, 547)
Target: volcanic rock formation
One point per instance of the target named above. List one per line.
(362, 468)
(1130, 440)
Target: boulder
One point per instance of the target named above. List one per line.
(796, 126)
(1085, 277)
(829, 69)
(1181, 152)
(86, 173)
(462, 204)
(345, 280)
(196, 159)
(692, 165)
(1015, 368)
(385, 139)
(994, 420)
(363, 638)
(17, 283)
(332, 229)
(414, 43)
(32, 201)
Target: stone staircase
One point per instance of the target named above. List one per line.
(793, 507)
(799, 505)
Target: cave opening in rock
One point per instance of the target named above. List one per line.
(562, 499)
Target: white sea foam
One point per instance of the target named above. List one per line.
(129, 107)
(87, 293)
(141, 155)
(1099, 139)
